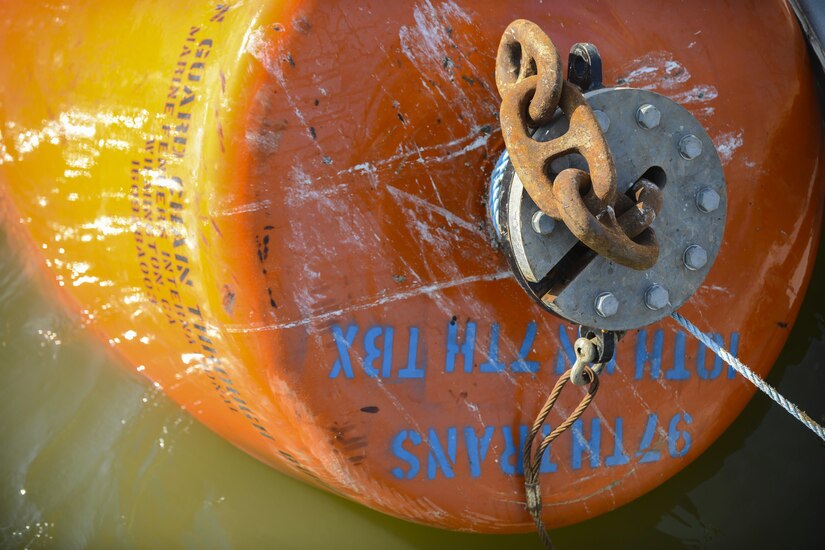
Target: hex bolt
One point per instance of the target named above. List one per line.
(695, 257)
(707, 200)
(602, 119)
(648, 116)
(656, 297)
(606, 304)
(690, 147)
(542, 223)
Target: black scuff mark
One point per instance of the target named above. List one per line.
(263, 253)
(228, 299)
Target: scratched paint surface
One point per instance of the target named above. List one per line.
(279, 219)
(96, 456)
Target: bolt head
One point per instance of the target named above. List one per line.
(695, 257)
(606, 304)
(602, 119)
(648, 116)
(707, 200)
(656, 297)
(690, 147)
(542, 223)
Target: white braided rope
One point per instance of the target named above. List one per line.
(751, 376)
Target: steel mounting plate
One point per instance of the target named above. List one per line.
(638, 151)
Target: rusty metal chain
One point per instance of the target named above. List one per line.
(530, 82)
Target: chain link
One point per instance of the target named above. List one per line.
(530, 82)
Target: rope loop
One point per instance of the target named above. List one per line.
(531, 457)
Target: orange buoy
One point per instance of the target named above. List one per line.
(276, 213)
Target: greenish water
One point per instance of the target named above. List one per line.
(92, 456)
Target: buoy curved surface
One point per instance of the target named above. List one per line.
(276, 212)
